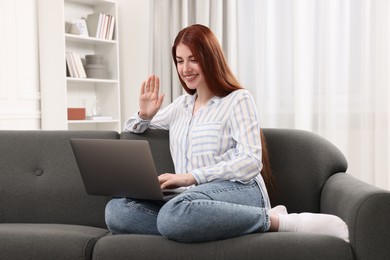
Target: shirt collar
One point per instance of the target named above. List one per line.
(215, 100)
(190, 101)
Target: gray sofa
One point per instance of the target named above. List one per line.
(45, 212)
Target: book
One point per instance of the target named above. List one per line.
(79, 65)
(94, 24)
(70, 64)
(75, 65)
(101, 25)
(103, 30)
(112, 28)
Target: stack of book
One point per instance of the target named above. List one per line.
(74, 65)
(101, 26)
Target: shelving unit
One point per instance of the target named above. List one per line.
(59, 91)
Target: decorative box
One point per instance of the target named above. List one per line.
(76, 113)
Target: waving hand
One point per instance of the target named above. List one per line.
(149, 100)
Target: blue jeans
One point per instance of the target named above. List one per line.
(211, 211)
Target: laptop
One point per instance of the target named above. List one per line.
(119, 168)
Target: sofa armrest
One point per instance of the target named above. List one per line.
(365, 209)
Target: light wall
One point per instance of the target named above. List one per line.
(19, 73)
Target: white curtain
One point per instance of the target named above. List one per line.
(317, 65)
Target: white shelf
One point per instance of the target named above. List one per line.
(91, 2)
(87, 40)
(87, 121)
(91, 80)
(60, 92)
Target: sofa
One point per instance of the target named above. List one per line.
(45, 212)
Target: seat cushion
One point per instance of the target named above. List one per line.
(48, 241)
(253, 246)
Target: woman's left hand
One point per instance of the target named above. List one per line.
(172, 181)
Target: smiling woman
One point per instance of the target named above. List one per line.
(217, 152)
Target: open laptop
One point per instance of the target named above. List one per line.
(119, 168)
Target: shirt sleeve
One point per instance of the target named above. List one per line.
(161, 120)
(244, 162)
(136, 124)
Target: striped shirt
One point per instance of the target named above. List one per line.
(219, 142)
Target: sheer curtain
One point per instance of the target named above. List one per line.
(323, 66)
(317, 65)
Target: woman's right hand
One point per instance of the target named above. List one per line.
(149, 100)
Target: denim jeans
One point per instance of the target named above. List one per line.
(211, 211)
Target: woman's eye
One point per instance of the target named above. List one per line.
(179, 61)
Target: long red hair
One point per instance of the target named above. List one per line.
(208, 52)
(269, 179)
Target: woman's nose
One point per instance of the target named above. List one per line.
(186, 67)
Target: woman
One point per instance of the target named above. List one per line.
(216, 149)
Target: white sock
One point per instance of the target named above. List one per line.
(322, 224)
(280, 209)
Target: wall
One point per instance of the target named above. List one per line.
(19, 80)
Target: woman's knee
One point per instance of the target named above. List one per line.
(131, 216)
(174, 221)
(168, 226)
(111, 207)
(111, 215)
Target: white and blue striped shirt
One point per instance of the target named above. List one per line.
(219, 142)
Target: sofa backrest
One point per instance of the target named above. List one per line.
(301, 162)
(40, 181)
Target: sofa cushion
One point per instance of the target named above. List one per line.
(253, 246)
(48, 241)
(40, 181)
